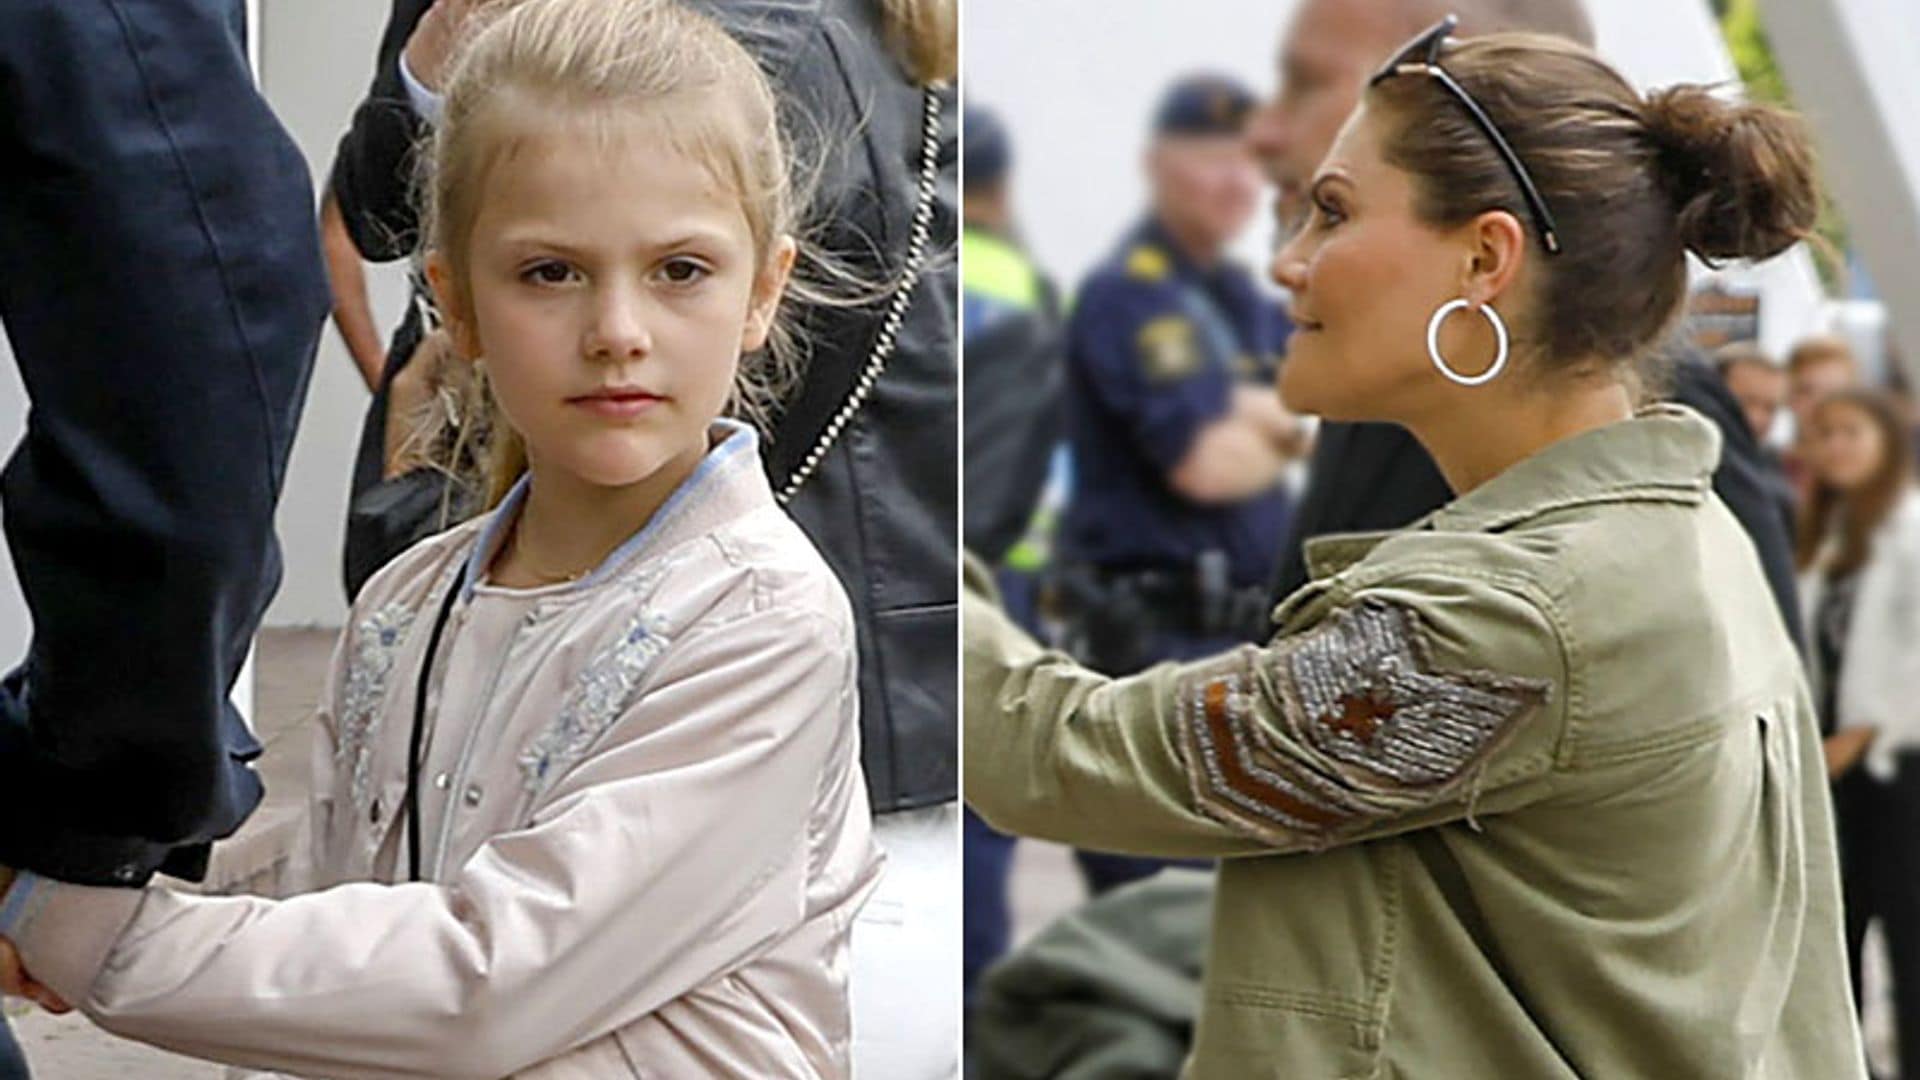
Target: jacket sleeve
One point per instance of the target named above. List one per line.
(1413, 702)
(161, 285)
(672, 854)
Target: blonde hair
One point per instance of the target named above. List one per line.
(601, 61)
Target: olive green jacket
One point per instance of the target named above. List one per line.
(1530, 789)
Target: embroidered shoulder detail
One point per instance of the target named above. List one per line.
(1343, 724)
(602, 691)
(375, 642)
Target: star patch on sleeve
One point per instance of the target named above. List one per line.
(1339, 727)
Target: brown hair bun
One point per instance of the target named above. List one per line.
(1741, 175)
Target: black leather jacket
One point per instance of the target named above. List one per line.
(883, 503)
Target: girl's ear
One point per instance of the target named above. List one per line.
(767, 289)
(454, 316)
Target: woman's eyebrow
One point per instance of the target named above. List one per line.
(1321, 182)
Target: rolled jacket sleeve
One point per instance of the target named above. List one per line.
(675, 851)
(1407, 702)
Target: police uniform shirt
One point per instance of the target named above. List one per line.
(1156, 346)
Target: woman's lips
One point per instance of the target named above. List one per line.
(617, 404)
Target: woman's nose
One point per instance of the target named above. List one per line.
(1289, 266)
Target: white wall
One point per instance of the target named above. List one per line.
(1076, 80)
(316, 61)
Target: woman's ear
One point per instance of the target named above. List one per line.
(1497, 249)
(454, 317)
(767, 290)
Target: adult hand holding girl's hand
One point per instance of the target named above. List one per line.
(431, 44)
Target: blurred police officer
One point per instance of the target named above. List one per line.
(1011, 320)
(1013, 372)
(1178, 441)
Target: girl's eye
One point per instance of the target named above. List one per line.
(682, 271)
(548, 272)
(1329, 214)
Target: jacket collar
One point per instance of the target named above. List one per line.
(727, 483)
(1664, 453)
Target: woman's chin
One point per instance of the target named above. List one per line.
(1307, 387)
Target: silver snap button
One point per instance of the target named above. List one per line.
(443, 781)
(472, 797)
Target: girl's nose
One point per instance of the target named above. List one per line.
(619, 330)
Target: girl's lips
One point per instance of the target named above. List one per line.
(617, 404)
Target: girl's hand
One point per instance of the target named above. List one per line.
(15, 982)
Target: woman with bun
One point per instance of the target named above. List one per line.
(1532, 788)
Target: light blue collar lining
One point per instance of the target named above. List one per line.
(736, 438)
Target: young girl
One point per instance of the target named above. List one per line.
(641, 835)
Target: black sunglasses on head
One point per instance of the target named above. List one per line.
(1421, 56)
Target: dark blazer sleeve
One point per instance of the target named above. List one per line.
(1740, 481)
(161, 284)
(374, 164)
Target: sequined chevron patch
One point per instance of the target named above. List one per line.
(1338, 725)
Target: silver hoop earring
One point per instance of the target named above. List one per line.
(1433, 343)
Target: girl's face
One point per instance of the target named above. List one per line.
(1366, 275)
(1848, 446)
(614, 286)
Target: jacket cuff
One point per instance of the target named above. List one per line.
(425, 102)
(64, 933)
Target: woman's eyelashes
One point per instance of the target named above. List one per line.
(1327, 212)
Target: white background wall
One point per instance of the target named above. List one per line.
(1076, 81)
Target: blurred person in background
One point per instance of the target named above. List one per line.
(1859, 556)
(1760, 386)
(1367, 477)
(1816, 367)
(1010, 321)
(1756, 382)
(1010, 316)
(1178, 441)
